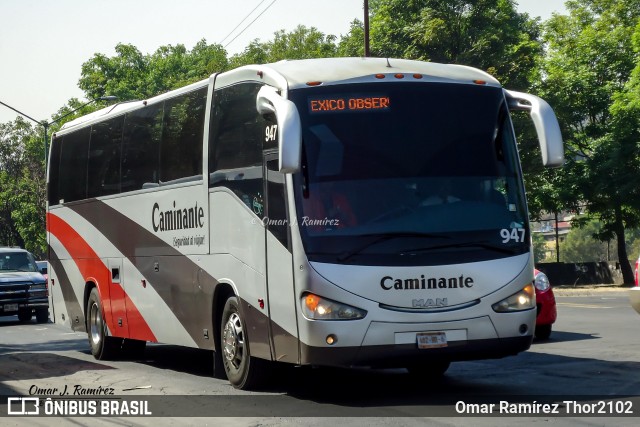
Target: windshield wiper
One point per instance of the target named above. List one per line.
(387, 236)
(482, 244)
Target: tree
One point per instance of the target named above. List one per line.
(22, 187)
(584, 245)
(132, 75)
(486, 34)
(352, 44)
(539, 247)
(588, 63)
(301, 43)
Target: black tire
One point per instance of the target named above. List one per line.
(218, 365)
(103, 347)
(243, 371)
(429, 369)
(42, 315)
(25, 315)
(133, 349)
(543, 332)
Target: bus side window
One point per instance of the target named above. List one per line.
(104, 158)
(73, 164)
(54, 170)
(181, 149)
(235, 145)
(141, 147)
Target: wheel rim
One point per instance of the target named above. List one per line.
(233, 341)
(95, 324)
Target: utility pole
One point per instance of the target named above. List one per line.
(367, 51)
(557, 240)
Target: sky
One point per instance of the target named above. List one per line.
(44, 43)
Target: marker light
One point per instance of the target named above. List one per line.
(480, 82)
(399, 76)
(380, 76)
(523, 300)
(314, 83)
(417, 76)
(318, 308)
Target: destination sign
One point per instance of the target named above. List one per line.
(347, 103)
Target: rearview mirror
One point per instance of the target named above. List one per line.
(545, 122)
(289, 130)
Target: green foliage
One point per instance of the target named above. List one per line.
(587, 68)
(487, 34)
(22, 187)
(352, 45)
(301, 43)
(583, 244)
(132, 75)
(539, 247)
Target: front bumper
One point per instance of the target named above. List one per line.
(394, 344)
(10, 308)
(405, 355)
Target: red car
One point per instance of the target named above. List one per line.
(546, 303)
(634, 293)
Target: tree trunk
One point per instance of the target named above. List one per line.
(625, 267)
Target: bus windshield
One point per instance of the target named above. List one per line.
(408, 174)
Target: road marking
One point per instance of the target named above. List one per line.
(571, 304)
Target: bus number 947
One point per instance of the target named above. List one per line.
(271, 133)
(516, 234)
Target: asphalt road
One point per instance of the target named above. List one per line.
(593, 355)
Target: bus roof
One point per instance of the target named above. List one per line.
(293, 74)
(329, 70)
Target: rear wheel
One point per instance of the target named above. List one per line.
(103, 347)
(25, 315)
(42, 315)
(242, 370)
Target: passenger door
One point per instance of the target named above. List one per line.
(280, 290)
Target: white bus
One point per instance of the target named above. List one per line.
(336, 212)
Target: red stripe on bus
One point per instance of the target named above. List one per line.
(93, 269)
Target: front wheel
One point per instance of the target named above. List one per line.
(543, 332)
(103, 347)
(243, 371)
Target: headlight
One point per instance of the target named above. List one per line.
(523, 300)
(318, 308)
(542, 282)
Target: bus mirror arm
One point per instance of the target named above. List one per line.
(289, 131)
(545, 122)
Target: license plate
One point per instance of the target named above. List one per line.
(431, 340)
(10, 307)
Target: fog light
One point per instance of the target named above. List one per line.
(524, 329)
(332, 339)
